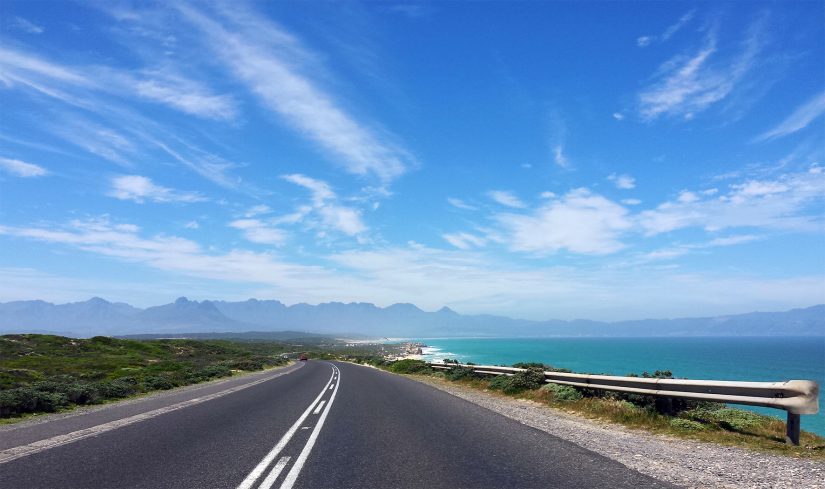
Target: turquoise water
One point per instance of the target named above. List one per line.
(757, 359)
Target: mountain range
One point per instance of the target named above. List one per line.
(100, 317)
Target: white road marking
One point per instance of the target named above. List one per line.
(276, 471)
(320, 406)
(264, 463)
(295, 471)
(14, 453)
(330, 387)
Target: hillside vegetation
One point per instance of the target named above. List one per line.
(45, 373)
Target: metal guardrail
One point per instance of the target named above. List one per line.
(794, 396)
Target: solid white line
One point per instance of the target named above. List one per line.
(320, 406)
(264, 463)
(10, 454)
(276, 471)
(295, 471)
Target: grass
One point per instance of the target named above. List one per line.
(701, 421)
(46, 373)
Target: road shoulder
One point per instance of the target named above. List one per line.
(682, 462)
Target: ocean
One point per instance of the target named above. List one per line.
(740, 358)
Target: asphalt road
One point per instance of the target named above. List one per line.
(320, 425)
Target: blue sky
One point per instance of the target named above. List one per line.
(535, 159)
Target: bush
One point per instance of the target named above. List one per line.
(563, 392)
(409, 366)
(686, 424)
(116, 389)
(736, 419)
(459, 373)
(213, 372)
(82, 392)
(28, 400)
(157, 382)
(529, 379)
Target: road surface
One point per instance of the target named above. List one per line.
(315, 425)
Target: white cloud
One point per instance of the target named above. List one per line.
(183, 94)
(783, 203)
(258, 232)
(466, 280)
(688, 84)
(618, 116)
(460, 204)
(341, 218)
(624, 182)
(270, 62)
(257, 210)
(631, 201)
(141, 189)
(506, 199)
(464, 241)
(644, 41)
(560, 158)
(192, 225)
(733, 240)
(27, 26)
(20, 168)
(799, 119)
(580, 222)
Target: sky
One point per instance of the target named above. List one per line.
(615, 160)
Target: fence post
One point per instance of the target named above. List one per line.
(792, 431)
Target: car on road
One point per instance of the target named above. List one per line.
(303, 357)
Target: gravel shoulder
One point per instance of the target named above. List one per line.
(686, 463)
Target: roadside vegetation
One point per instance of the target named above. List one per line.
(705, 421)
(45, 373)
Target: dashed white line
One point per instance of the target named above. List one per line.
(264, 463)
(295, 471)
(331, 387)
(276, 471)
(319, 408)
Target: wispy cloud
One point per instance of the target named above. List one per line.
(141, 189)
(644, 41)
(799, 119)
(506, 199)
(691, 83)
(263, 56)
(624, 182)
(27, 26)
(20, 168)
(324, 202)
(257, 231)
(464, 241)
(460, 204)
(783, 203)
(559, 157)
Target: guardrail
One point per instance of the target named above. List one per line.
(794, 396)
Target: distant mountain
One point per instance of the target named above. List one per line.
(184, 317)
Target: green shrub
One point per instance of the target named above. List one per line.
(530, 365)
(529, 379)
(459, 373)
(409, 366)
(563, 392)
(82, 392)
(116, 389)
(737, 419)
(686, 424)
(213, 372)
(157, 382)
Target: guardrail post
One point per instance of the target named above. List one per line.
(792, 431)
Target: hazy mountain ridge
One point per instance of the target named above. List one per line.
(98, 316)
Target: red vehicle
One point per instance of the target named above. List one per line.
(303, 357)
